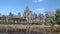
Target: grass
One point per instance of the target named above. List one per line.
(40, 26)
(21, 25)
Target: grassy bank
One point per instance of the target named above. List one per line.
(27, 25)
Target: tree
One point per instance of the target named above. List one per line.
(50, 13)
(49, 20)
(50, 16)
(58, 16)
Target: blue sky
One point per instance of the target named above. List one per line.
(37, 6)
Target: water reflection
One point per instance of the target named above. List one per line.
(19, 32)
(23, 31)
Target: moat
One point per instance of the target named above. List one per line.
(22, 30)
(26, 29)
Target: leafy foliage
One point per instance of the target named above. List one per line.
(58, 16)
(50, 16)
(49, 19)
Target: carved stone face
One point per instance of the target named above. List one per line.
(27, 12)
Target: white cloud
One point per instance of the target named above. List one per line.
(37, 1)
(40, 9)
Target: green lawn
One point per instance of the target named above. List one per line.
(13, 25)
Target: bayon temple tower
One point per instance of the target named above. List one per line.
(33, 17)
(27, 14)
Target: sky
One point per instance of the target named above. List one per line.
(37, 6)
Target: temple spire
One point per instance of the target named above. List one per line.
(19, 15)
(27, 8)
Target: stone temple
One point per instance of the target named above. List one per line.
(27, 18)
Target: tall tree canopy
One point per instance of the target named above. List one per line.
(50, 13)
(58, 16)
(50, 17)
